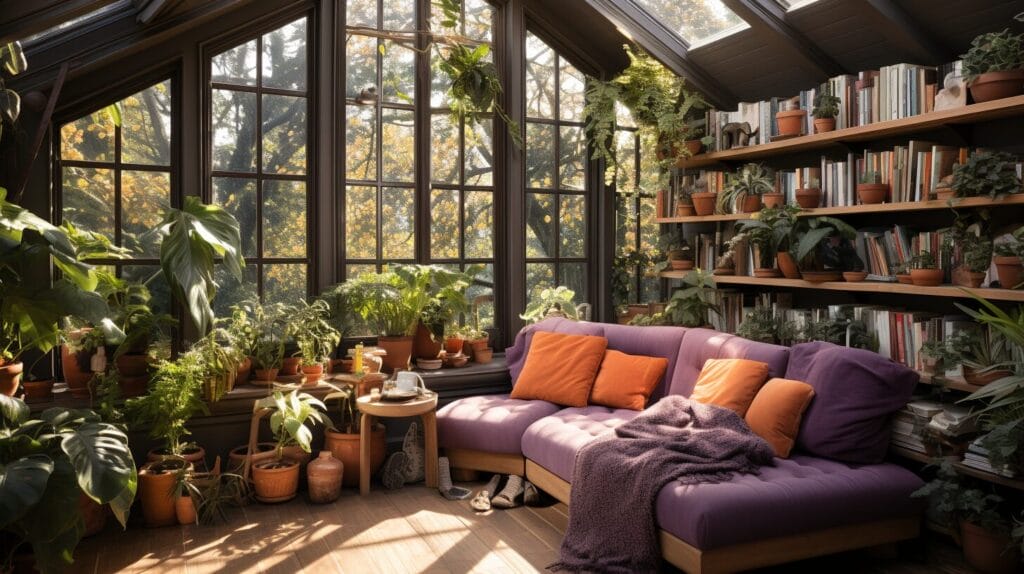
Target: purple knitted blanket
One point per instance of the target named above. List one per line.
(618, 476)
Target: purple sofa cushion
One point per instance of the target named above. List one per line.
(855, 392)
(699, 345)
(651, 342)
(515, 356)
(553, 441)
(799, 494)
(492, 423)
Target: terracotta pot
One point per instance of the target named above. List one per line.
(275, 480)
(767, 273)
(313, 373)
(988, 552)
(133, 386)
(854, 276)
(751, 204)
(323, 477)
(997, 85)
(474, 346)
(982, 378)
(787, 265)
(290, 366)
(238, 455)
(1009, 270)
(822, 125)
(156, 490)
(872, 193)
(94, 514)
(10, 378)
(453, 345)
(345, 447)
(703, 202)
(945, 193)
(76, 367)
(399, 351)
(265, 376)
(341, 365)
(483, 356)
(724, 271)
(424, 346)
(790, 123)
(38, 391)
(693, 146)
(820, 276)
(244, 371)
(808, 198)
(185, 509)
(773, 199)
(195, 455)
(927, 277)
(684, 209)
(680, 264)
(964, 277)
(133, 365)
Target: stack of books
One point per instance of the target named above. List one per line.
(909, 422)
(977, 457)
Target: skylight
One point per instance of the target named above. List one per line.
(78, 20)
(695, 21)
(791, 5)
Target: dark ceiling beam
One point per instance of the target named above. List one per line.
(583, 60)
(664, 45)
(768, 15)
(149, 10)
(902, 29)
(23, 18)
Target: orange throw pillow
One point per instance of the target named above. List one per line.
(730, 383)
(627, 381)
(776, 412)
(560, 368)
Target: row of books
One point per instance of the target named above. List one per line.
(884, 250)
(977, 457)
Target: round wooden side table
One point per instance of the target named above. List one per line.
(424, 407)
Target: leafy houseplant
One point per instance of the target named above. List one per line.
(1007, 257)
(343, 437)
(924, 270)
(993, 66)
(809, 196)
(771, 231)
(817, 247)
(870, 189)
(316, 338)
(277, 480)
(991, 174)
(556, 302)
(689, 306)
(743, 192)
(839, 331)
(474, 88)
(975, 255)
(447, 304)
(760, 325)
(826, 108)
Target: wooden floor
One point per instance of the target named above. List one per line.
(408, 530)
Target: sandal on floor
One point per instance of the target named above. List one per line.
(482, 501)
(531, 495)
(509, 496)
(392, 476)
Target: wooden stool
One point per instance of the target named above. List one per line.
(424, 407)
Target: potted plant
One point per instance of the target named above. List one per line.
(453, 339)
(975, 256)
(201, 497)
(558, 301)
(689, 306)
(771, 231)
(983, 357)
(790, 119)
(726, 262)
(309, 326)
(277, 480)
(826, 108)
(448, 302)
(343, 437)
(809, 197)
(761, 325)
(1007, 258)
(684, 200)
(677, 252)
(924, 270)
(817, 249)
(870, 189)
(993, 66)
(391, 303)
(703, 201)
(991, 174)
(743, 192)
(240, 329)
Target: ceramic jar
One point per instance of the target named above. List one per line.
(323, 476)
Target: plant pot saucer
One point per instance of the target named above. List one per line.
(290, 379)
(275, 499)
(781, 137)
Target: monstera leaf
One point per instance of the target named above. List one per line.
(22, 484)
(103, 464)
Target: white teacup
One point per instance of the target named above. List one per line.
(407, 381)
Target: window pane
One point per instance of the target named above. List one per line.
(87, 199)
(231, 291)
(399, 72)
(572, 216)
(284, 282)
(478, 225)
(236, 66)
(360, 222)
(481, 296)
(399, 145)
(361, 13)
(649, 228)
(238, 197)
(397, 219)
(234, 131)
(444, 224)
(438, 80)
(284, 134)
(360, 143)
(625, 155)
(159, 290)
(540, 225)
(539, 276)
(360, 64)
(284, 219)
(648, 165)
(479, 20)
(540, 78)
(284, 57)
(146, 126)
(90, 138)
(357, 270)
(479, 156)
(444, 150)
(693, 20)
(572, 172)
(399, 15)
(574, 276)
(571, 93)
(540, 155)
(145, 196)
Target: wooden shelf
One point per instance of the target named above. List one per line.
(969, 202)
(973, 113)
(955, 383)
(992, 477)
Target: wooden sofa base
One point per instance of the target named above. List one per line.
(760, 553)
(467, 459)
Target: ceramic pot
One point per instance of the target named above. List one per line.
(997, 85)
(872, 193)
(132, 386)
(945, 193)
(275, 480)
(323, 477)
(964, 277)
(854, 276)
(982, 378)
(429, 364)
(265, 376)
(988, 552)
(345, 447)
(751, 204)
(904, 278)
(820, 276)
(156, 490)
(822, 125)
(399, 351)
(684, 209)
(76, 367)
(424, 345)
(10, 378)
(313, 373)
(790, 123)
(185, 509)
(808, 198)
(693, 147)
(94, 514)
(773, 199)
(290, 366)
(681, 264)
(194, 455)
(927, 277)
(767, 273)
(787, 265)
(133, 365)
(244, 371)
(723, 271)
(239, 454)
(703, 202)
(1009, 270)
(38, 391)
(483, 356)
(453, 345)
(474, 346)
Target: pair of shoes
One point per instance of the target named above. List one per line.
(482, 501)
(509, 496)
(531, 494)
(393, 475)
(444, 481)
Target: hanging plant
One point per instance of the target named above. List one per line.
(474, 87)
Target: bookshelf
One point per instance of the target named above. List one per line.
(954, 383)
(1015, 483)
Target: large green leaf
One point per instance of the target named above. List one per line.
(810, 240)
(103, 463)
(79, 302)
(22, 484)
(57, 553)
(13, 411)
(121, 504)
(35, 315)
(54, 525)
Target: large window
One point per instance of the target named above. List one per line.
(258, 161)
(116, 180)
(695, 21)
(558, 194)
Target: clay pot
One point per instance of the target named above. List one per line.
(77, 377)
(751, 204)
(341, 365)
(345, 447)
(693, 147)
(453, 345)
(872, 193)
(244, 371)
(904, 278)
(1009, 270)
(323, 476)
(290, 366)
(787, 265)
(982, 378)
(132, 386)
(313, 373)
(275, 480)
(133, 365)
(474, 346)
(94, 514)
(38, 391)
(238, 455)
(483, 356)
(185, 509)
(790, 123)
(681, 264)
(425, 346)
(808, 198)
(724, 271)
(156, 490)
(265, 376)
(820, 276)
(703, 202)
(767, 273)
(854, 276)
(399, 351)
(684, 209)
(997, 85)
(822, 125)
(988, 551)
(773, 199)
(927, 277)
(945, 193)
(10, 378)
(194, 455)
(429, 364)
(964, 277)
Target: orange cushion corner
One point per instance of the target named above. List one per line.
(560, 368)
(730, 383)
(627, 381)
(776, 412)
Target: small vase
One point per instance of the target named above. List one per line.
(244, 371)
(724, 271)
(964, 277)
(323, 476)
(693, 147)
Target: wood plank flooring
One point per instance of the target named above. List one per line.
(408, 530)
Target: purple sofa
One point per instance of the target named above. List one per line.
(833, 494)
